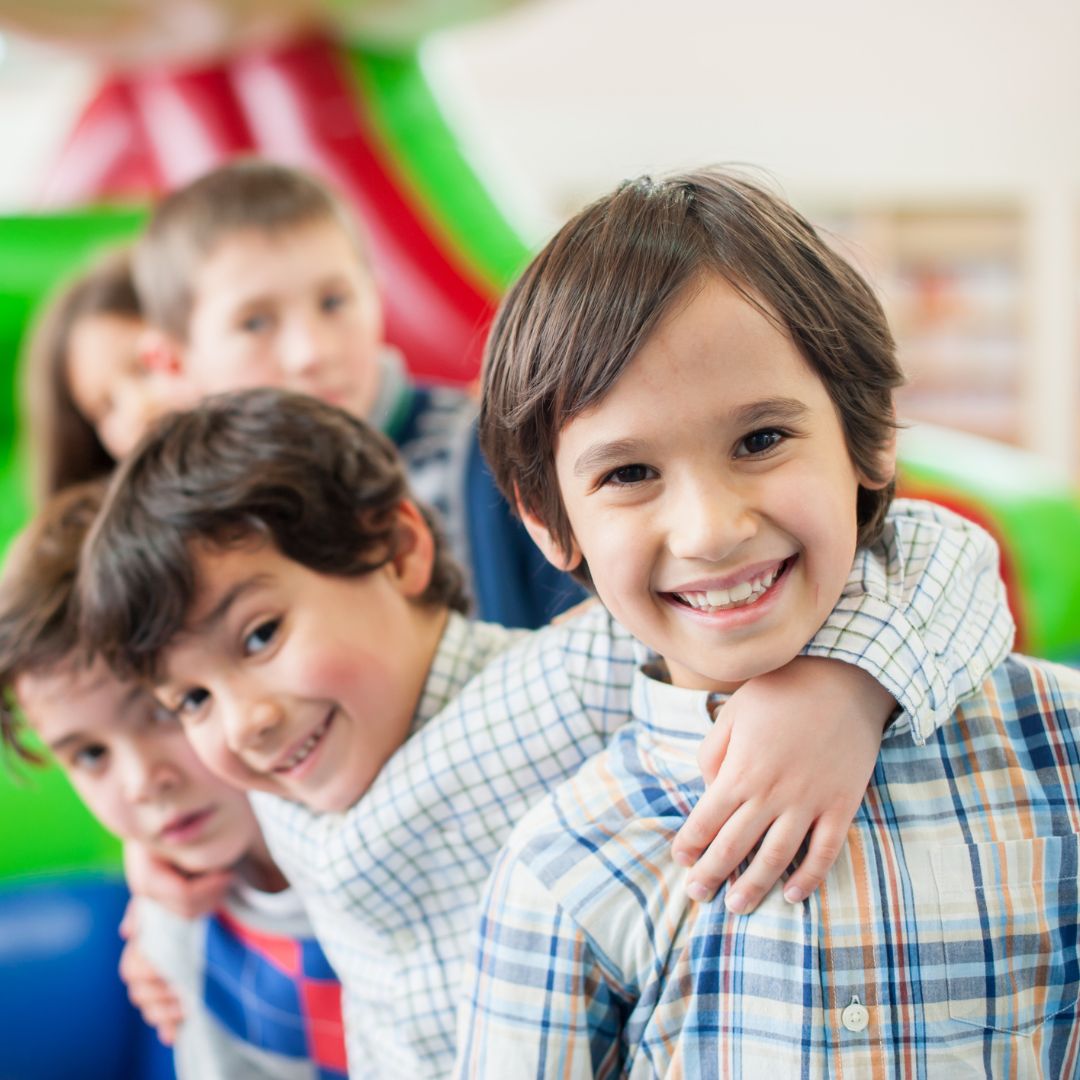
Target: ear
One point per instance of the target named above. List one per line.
(414, 557)
(552, 550)
(886, 465)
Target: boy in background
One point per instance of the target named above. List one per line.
(259, 560)
(259, 998)
(256, 275)
(712, 451)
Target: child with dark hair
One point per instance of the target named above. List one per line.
(690, 395)
(261, 563)
(248, 1008)
(256, 275)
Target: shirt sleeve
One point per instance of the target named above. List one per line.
(537, 1001)
(924, 612)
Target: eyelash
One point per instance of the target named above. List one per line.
(612, 478)
(270, 625)
(94, 753)
(779, 433)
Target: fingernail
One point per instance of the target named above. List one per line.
(793, 894)
(683, 858)
(696, 891)
(735, 902)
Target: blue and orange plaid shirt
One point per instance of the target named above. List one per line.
(943, 943)
(392, 885)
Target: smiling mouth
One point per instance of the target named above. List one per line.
(738, 596)
(305, 749)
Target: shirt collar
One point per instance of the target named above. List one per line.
(672, 719)
(395, 393)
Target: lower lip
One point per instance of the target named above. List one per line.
(189, 829)
(736, 617)
(303, 768)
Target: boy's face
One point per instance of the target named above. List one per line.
(109, 384)
(134, 768)
(294, 309)
(298, 683)
(711, 494)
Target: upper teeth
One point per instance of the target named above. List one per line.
(746, 592)
(304, 749)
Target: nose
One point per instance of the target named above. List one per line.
(250, 725)
(308, 343)
(708, 518)
(147, 777)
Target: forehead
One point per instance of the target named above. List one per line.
(717, 349)
(249, 259)
(69, 698)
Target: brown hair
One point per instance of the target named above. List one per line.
(321, 485)
(588, 302)
(188, 225)
(38, 601)
(65, 448)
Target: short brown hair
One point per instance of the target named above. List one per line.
(319, 484)
(65, 448)
(187, 226)
(589, 301)
(38, 600)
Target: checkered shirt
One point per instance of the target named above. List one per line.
(392, 885)
(942, 944)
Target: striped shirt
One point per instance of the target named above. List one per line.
(393, 884)
(942, 944)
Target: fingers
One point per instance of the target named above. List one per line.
(129, 924)
(702, 827)
(732, 844)
(826, 842)
(778, 848)
(714, 748)
(150, 993)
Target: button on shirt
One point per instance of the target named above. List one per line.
(392, 885)
(943, 942)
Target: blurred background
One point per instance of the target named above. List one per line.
(939, 142)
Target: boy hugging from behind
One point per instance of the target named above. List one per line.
(711, 446)
(261, 564)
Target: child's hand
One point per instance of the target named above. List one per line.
(791, 754)
(148, 991)
(186, 895)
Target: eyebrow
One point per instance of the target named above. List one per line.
(604, 454)
(214, 617)
(134, 694)
(770, 410)
(777, 410)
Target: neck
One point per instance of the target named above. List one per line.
(260, 871)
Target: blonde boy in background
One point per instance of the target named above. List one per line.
(257, 275)
(258, 996)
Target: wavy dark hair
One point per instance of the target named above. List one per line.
(319, 484)
(39, 602)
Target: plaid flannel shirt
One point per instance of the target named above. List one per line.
(942, 944)
(392, 886)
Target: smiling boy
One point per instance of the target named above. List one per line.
(260, 561)
(712, 451)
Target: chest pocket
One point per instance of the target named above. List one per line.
(1009, 917)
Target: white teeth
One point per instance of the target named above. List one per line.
(304, 749)
(746, 592)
